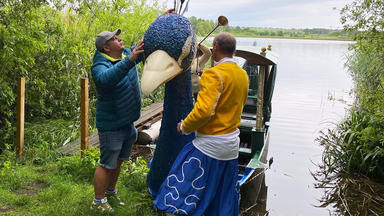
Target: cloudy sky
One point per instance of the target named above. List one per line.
(269, 13)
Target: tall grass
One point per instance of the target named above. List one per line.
(44, 182)
(352, 168)
(65, 186)
(354, 147)
(351, 173)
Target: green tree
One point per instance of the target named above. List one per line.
(358, 147)
(364, 19)
(354, 150)
(51, 44)
(202, 28)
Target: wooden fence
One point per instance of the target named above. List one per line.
(84, 106)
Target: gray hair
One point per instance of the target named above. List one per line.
(226, 41)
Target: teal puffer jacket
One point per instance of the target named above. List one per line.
(118, 91)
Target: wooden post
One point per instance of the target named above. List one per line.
(260, 99)
(20, 117)
(84, 104)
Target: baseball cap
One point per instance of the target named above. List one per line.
(103, 37)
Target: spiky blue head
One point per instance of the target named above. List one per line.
(172, 33)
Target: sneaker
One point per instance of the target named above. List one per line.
(102, 206)
(113, 198)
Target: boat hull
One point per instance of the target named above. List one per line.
(253, 177)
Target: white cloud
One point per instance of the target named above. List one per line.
(270, 13)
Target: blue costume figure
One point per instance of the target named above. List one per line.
(169, 45)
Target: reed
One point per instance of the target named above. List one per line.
(351, 172)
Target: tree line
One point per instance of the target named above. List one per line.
(203, 27)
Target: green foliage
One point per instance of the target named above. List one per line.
(352, 168)
(364, 18)
(5, 167)
(155, 96)
(52, 45)
(43, 139)
(356, 146)
(80, 168)
(55, 133)
(352, 163)
(134, 174)
(65, 187)
(133, 177)
(12, 176)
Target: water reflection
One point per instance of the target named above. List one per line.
(310, 93)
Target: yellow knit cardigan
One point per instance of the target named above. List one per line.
(224, 90)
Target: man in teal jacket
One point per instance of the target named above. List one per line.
(118, 106)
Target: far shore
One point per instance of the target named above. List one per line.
(285, 37)
(305, 38)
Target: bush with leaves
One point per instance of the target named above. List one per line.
(133, 177)
(354, 147)
(365, 126)
(52, 44)
(80, 168)
(353, 157)
(357, 144)
(134, 174)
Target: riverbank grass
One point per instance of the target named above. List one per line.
(351, 172)
(65, 186)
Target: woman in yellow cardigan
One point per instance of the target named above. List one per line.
(203, 179)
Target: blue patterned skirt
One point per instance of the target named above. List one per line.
(198, 184)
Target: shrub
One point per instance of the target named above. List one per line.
(52, 46)
(80, 168)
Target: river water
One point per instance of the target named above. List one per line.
(311, 93)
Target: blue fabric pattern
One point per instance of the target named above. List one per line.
(118, 91)
(198, 184)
